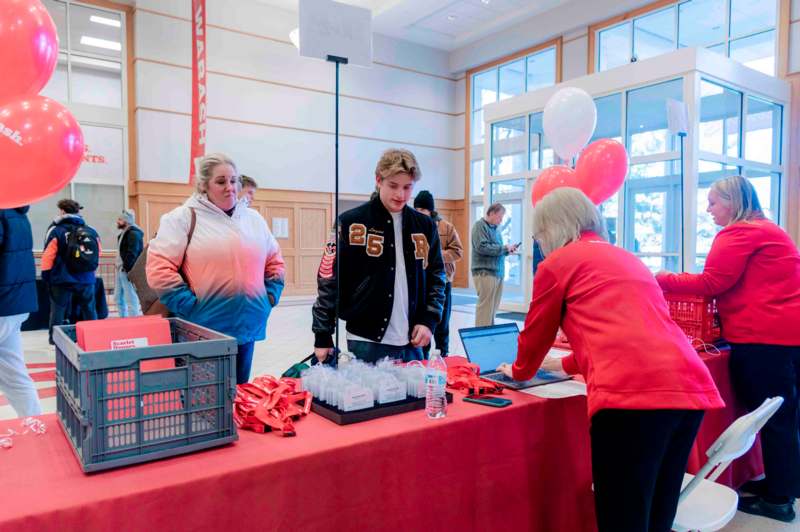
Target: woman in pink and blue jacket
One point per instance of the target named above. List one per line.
(229, 275)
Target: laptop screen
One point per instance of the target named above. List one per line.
(488, 347)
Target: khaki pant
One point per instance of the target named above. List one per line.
(490, 291)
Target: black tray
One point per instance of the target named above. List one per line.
(409, 404)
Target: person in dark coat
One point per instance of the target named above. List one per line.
(130, 242)
(17, 300)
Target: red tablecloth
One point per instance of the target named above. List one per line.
(715, 422)
(525, 467)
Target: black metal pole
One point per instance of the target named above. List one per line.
(337, 61)
(683, 208)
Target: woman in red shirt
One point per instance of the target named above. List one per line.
(753, 269)
(647, 387)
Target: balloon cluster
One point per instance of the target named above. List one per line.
(41, 143)
(570, 117)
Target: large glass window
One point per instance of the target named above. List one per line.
(90, 62)
(756, 51)
(707, 173)
(653, 221)
(511, 194)
(509, 146)
(763, 131)
(744, 30)
(91, 72)
(702, 23)
(541, 70)
(615, 46)
(647, 119)
(477, 177)
(512, 79)
(720, 119)
(654, 34)
(609, 118)
(102, 205)
(768, 188)
(541, 154)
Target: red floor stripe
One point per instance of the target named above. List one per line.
(44, 376)
(38, 365)
(43, 394)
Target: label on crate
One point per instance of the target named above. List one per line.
(127, 343)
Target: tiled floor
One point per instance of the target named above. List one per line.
(289, 341)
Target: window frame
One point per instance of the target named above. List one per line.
(100, 116)
(593, 59)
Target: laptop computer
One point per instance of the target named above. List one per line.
(490, 346)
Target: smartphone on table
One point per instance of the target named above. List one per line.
(488, 400)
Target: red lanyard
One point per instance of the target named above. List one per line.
(270, 404)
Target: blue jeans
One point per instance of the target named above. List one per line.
(126, 297)
(372, 352)
(244, 360)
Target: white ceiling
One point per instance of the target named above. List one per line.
(443, 24)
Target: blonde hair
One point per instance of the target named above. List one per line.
(247, 181)
(205, 167)
(561, 216)
(741, 195)
(398, 161)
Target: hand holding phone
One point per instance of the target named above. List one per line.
(488, 400)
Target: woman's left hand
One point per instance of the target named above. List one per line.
(505, 369)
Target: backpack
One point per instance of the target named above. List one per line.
(148, 299)
(82, 253)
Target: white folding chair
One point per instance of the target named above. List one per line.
(704, 504)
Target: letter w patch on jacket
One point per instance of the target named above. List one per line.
(421, 248)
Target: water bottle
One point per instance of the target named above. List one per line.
(435, 383)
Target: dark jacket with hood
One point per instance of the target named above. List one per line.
(17, 267)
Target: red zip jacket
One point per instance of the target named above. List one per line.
(624, 343)
(753, 269)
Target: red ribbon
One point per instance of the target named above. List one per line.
(270, 404)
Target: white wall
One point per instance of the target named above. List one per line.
(272, 110)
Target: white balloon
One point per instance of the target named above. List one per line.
(570, 117)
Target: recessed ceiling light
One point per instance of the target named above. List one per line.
(486, 2)
(105, 21)
(100, 43)
(451, 18)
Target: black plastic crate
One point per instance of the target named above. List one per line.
(115, 412)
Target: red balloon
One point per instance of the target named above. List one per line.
(601, 169)
(552, 178)
(28, 48)
(41, 146)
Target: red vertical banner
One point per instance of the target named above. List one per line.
(199, 78)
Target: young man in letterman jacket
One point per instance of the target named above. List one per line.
(392, 274)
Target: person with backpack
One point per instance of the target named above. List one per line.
(71, 256)
(130, 246)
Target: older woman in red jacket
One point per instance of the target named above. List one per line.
(647, 387)
(753, 269)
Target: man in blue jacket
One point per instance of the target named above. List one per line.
(17, 300)
(71, 256)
